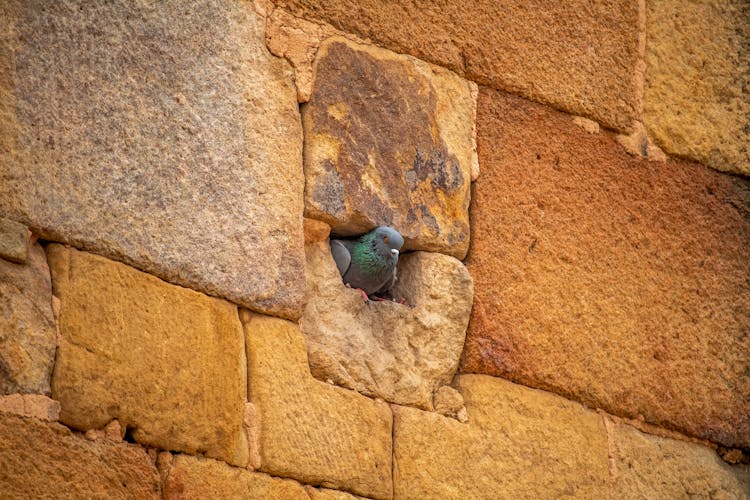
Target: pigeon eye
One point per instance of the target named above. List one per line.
(385, 239)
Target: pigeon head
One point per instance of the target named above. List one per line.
(390, 238)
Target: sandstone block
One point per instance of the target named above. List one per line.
(194, 477)
(389, 141)
(40, 459)
(311, 431)
(648, 466)
(327, 494)
(27, 325)
(14, 241)
(167, 362)
(401, 353)
(519, 443)
(31, 405)
(697, 76)
(315, 231)
(575, 55)
(619, 282)
(164, 137)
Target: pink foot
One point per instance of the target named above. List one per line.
(364, 295)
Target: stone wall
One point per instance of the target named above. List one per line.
(571, 182)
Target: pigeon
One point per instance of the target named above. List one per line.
(369, 262)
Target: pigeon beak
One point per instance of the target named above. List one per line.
(394, 252)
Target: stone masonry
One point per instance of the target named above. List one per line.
(571, 315)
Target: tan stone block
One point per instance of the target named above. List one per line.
(327, 494)
(167, 362)
(163, 137)
(616, 281)
(648, 466)
(197, 477)
(575, 55)
(315, 231)
(31, 405)
(399, 352)
(14, 241)
(40, 459)
(519, 443)
(697, 102)
(311, 431)
(389, 140)
(27, 325)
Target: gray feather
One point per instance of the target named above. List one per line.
(370, 261)
(341, 256)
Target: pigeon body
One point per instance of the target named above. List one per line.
(370, 261)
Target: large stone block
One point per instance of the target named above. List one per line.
(646, 466)
(14, 241)
(311, 431)
(164, 137)
(167, 362)
(195, 477)
(579, 56)
(620, 282)
(27, 325)
(697, 102)
(519, 443)
(389, 140)
(42, 460)
(399, 352)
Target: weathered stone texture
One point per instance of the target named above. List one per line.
(311, 431)
(164, 137)
(655, 467)
(14, 241)
(194, 477)
(315, 231)
(27, 325)
(519, 443)
(697, 92)
(578, 56)
(327, 494)
(389, 141)
(616, 281)
(31, 405)
(399, 352)
(167, 362)
(43, 460)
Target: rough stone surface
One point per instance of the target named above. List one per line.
(164, 137)
(166, 361)
(42, 460)
(31, 405)
(389, 141)
(194, 477)
(14, 241)
(311, 431)
(655, 467)
(605, 277)
(450, 403)
(521, 442)
(638, 143)
(399, 352)
(578, 56)
(316, 231)
(326, 494)
(697, 99)
(27, 325)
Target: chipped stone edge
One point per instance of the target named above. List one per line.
(639, 144)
